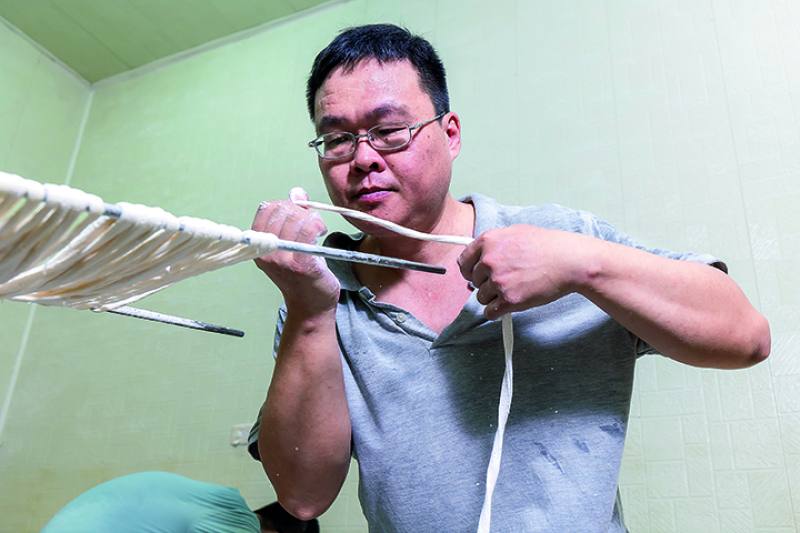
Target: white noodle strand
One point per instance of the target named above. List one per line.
(57, 247)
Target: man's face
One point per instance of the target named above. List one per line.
(407, 186)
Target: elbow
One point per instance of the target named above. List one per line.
(304, 503)
(307, 492)
(308, 498)
(748, 346)
(762, 341)
(302, 508)
(754, 344)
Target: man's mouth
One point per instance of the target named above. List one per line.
(371, 195)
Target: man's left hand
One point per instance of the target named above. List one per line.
(522, 266)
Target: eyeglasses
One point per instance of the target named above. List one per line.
(383, 138)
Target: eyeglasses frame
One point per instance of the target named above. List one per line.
(315, 143)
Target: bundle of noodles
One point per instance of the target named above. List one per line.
(62, 246)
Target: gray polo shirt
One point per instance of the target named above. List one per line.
(423, 406)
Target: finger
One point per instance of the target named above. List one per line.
(495, 309)
(277, 218)
(298, 193)
(264, 221)
(480, 274)
(311, 229)
(261, 216)
(469, 258)
(299, 225)
(270, 216)
(487, 292)
(499, 307)
(291, 227)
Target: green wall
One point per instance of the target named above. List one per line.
(677, 121)
(41, 108)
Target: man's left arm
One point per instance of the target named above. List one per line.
(685, 310)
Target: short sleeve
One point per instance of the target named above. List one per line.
(603, 230)
(607, 232)
(252, 439)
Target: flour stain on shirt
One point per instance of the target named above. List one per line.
(615, 430)
(547, 455)
(582, 446)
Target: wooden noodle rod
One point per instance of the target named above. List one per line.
(174, 320)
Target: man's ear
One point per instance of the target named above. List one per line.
(452, 128)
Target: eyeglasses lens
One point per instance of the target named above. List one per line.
(338, 145)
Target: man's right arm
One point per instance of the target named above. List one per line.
(304, 440)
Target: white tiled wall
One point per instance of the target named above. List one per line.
(719, 449)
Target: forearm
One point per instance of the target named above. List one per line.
(688, 311)
(305, 436)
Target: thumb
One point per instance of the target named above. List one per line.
(298, 193)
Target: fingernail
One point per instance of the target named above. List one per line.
(262, 205)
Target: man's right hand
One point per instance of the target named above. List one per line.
(305, 281)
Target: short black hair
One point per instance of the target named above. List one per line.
(385, 43)
(277, 518)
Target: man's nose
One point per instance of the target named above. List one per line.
(366, 157)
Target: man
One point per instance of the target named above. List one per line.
(402, 369)
(169, 503)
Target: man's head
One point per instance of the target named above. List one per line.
(381, 78)
(385, 43)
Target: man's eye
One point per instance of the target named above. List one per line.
(389, 130)
(332, 140)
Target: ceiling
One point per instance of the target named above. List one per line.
(101, 38)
